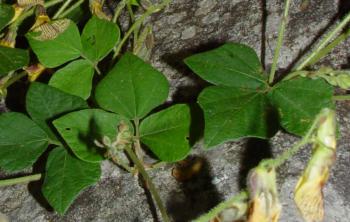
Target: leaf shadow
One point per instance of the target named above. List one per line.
(35, 187)
(255, 151)
(264, 14)
(189, 92)
(92, 135)
(196, 196)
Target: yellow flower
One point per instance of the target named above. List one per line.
(34, 71)
(264, 204)
(96, 8)
(308, 192)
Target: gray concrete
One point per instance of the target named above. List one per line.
(183, 28)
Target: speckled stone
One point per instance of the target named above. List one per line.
(184, 28)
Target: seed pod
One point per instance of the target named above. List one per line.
(308, 191)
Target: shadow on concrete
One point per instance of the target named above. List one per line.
(255, 151)
(196, 196)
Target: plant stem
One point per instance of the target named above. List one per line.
(243, 196)
(323, 52)
(120, 7)
(55, 142)
(120, 162)
(149, 183)
(152, 9)
(69, 10)
(12, 80)
(295, 74)
(94, 65)
(286, 155)
(62, 8)
(281, 31)
(323, 43)
(25, 179)
(138, 149)
(341, 97)
(141, 39)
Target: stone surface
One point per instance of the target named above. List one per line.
(184, 28)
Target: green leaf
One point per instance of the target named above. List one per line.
(12, 59)
(66, 176)
(134, 2)
(80, 129)
(98, 38)
(132, 88)
(21, 141)
(232, 113)
(232, 64)
(55, 48)
(6, 14)
(45, 103)
(299, 101)
(75, 78)
(166, 133)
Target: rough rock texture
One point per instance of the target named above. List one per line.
(186, 27)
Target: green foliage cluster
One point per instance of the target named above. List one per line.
(241, 103)
(131, 90)
(77, 108)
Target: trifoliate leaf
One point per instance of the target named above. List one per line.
(56, 43)
(21, 141)
(66, 176)
(12, 59)
(45, 103)
(6, 14)
(298, 102)
(232, 64)
(132, 88)
(98, 38)
(75, 78)
(166, 133)
(232, 113)
(80, 129)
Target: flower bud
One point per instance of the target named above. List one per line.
(96, 8)
(308, 192)
(264, 204)
(236, 212)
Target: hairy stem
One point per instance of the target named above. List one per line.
(120, 7)
(323, 43)
(12, 80)
(243, 196)
(281, 31)
(149, 183)
(323, 52)
(19, 180)
(341, 97)
(152, 9)
(286, 155)
(69, 10)
(62, 8)
(118, 161)
(141, 39)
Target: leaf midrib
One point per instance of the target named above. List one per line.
(235, 111)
